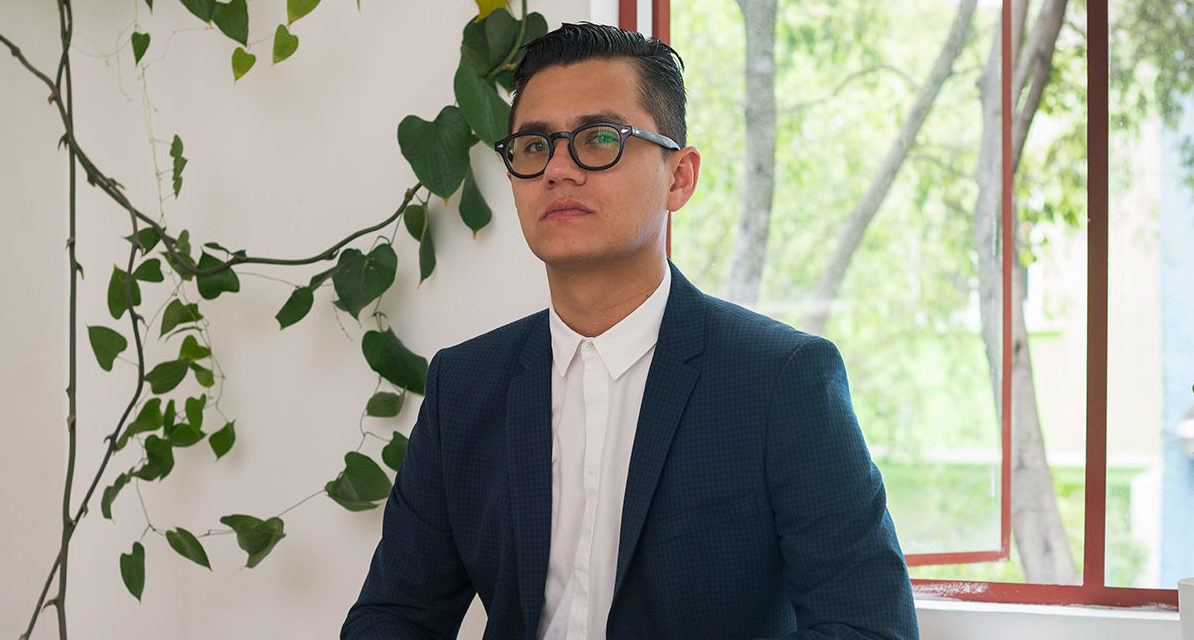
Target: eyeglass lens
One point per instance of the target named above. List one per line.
(594, 147)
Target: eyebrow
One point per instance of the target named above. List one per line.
(538, 126)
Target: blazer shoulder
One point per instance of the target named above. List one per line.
(738, 328)
(497, 346)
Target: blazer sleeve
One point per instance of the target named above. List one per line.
(843, 569)
(417, 586)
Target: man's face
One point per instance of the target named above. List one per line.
(575, 218)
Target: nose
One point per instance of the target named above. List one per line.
(561, 166)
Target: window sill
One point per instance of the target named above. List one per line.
(952, 619)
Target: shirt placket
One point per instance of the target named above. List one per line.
(596, 403)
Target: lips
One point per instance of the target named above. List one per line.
(565, 208)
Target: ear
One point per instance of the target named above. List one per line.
(685, 166)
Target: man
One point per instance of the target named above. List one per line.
(640, 460)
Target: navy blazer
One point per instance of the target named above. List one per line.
(752, 508)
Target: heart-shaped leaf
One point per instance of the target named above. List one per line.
(415, 219)
(474, 211)
(233, 19)
(395, 452)
(242, 61)
(256, 537)
(164, 377)
(149, 271)
(426, 256)
(386, 355)
(481, 105)
(419, 227)
(201, 8)
(107, 344)
(140, 44)
(487, 42)
(187, 545)
(117, 301)
(110, 493)
(159, 455)
(203, 375)
(211, 286)
(221, 441)
(194, 410)
(384, 405)
(147, 238)
(437, 151)
(361, 279)
(177, 313)
(191, 350)
(149, 419)
(285, 44)
(296, 9)
(132, 570)
(296, 307)
(360, 485)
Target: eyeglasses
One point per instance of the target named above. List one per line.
(594, 147)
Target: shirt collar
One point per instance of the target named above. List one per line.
(622, 344)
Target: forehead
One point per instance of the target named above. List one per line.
(565, 96)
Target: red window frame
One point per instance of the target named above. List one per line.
(1093, 590)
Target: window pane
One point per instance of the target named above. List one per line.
(1151, 298)
(916, 310)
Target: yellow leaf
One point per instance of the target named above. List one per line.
(486, 7)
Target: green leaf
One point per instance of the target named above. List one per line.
(474, 211)
(187, 545)
(361, 279)
(107, 344)
(384, 405)
(213, 285)
(285, 44)
(182, 247)
(194, 409)
(296, 9)
(160, 459)
(386, 355)
(149, 271)
(147, 238)
(415, 219)
(110, 494)
(426, 256)
(116, 293)
(296, 307)
(486, 43)
(481, 105)
(437, 151)
(242, 61)
(140, 44)
(254, 536)
(179, 163)
(394, 453)
(167, 375)
(360, 485)
(149, 419)
(191, 350)
(203, 375)
(177, 313)
(320, 277)
(201, 8)
(132, 570)
(233, 19)
(185, 435)
(221, 441)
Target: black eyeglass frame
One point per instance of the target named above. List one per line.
(624, 131)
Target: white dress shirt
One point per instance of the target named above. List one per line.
(596, 391)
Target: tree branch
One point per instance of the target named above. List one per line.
(802, 106)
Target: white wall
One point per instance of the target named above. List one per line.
(282, 163)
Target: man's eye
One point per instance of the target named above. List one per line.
(534, 145)
(601, 138)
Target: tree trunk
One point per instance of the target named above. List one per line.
(830, 283)
(1036, 523)
(758, 188)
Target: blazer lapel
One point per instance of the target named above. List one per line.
(528, 428)
(669, 383)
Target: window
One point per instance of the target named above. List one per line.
(879, 124)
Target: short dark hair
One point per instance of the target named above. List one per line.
(660, 79)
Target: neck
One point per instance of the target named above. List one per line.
(590, 301)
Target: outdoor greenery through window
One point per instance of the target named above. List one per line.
(851, 187)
